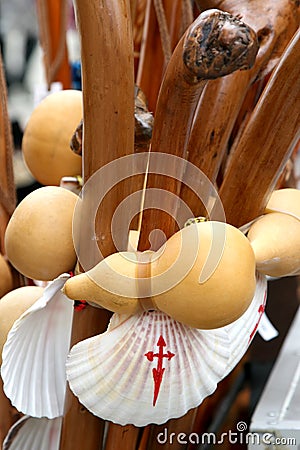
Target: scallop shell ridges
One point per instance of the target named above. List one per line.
(34, 355)
(30, 433)
(113, 374)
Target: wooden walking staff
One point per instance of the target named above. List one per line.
(157, 45)
(184, 81)
(216, 115)
(266, 144)
(264, 167)
(8, 414)
(275, 23)
(108, 110)
(52, 19)
(222, 100)
(7, 186)
(187, 74)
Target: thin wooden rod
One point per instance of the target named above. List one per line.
(52, 20)
(266, 143)
(152, 63)
(7, 205)
(7, 186)
(108, 112)
(186, 76)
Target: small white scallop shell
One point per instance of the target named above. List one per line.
(34, 355)
(149, 368)
(30, 433)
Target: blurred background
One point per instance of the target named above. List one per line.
(25, 72)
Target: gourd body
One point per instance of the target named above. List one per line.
(47, 136)
(191, 280)
(275, 239)
(38, 238)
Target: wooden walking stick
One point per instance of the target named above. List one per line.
(216, 115)
(7, 186)
(266, 167)
(7, 205)
(190, 67)
(185, 79)
(52, 18)
(108, 100)
(138, 22)
(222, 100)
(266, 143)
(273, 20)
(159, 39)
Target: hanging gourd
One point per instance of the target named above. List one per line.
(173, 279)
(47, 136)
(275, 237)
(38, 238)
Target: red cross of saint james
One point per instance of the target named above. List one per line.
(158, 372)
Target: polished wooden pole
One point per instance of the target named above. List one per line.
(266, 143)
(152, 62)
(7, 186)
(223, 108)
(187, 74)
(52, 19)
(108, 109)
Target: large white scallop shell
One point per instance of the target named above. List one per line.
(30, 433)
(34, 355)
(122, 377)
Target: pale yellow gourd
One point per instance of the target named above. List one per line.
(38, 238)
(6, 281)
(227, 293)
(47, 135)
(111, 284)
(275, 239)
(285, 200)
(169, 280)
(12, 306)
